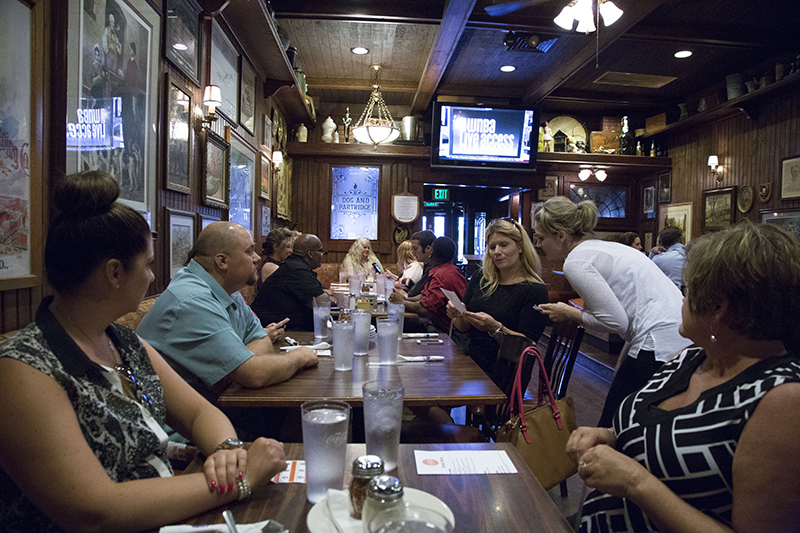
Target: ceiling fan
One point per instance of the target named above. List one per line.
(509, 7)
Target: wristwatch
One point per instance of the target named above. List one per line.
(230, 444)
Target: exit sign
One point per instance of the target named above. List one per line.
(430, 204)
(441, 194)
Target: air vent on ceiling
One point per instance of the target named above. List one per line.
(628, 79)
(518, 41)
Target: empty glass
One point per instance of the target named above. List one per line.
(362, 320)
(343, 344)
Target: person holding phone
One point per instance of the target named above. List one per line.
(361, 258)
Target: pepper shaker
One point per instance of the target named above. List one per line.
(365, 468)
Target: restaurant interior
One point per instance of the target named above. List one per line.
(247, 110)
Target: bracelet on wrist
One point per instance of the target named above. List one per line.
(244, 488)
(498, 331)
(229, 444)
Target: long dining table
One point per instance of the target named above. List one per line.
(457, 380)
(479, 502)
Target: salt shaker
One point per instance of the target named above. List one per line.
(365, 468)
(384, 493)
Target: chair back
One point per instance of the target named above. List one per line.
(562, 351)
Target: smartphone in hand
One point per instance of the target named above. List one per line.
(377, 268)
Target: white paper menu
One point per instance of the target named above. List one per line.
(463, 462)
(457, 303)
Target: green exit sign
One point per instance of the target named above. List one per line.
(441, 194)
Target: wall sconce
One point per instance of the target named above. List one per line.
(212, 97)
(716, 169)
(277, 159)
(598, 173)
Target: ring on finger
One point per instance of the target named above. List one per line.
(581, 467)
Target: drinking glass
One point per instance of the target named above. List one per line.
(322, 317)
(397, 312)
(412, 519)
(383, 413)
(362, 320)
(344, 337)
(325, 424)
(380, 282)
(355, 285)
(387, 340)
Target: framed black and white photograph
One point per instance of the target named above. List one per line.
(549, 189)
(665, 188)
(180, 238)
(267, 139)
(247, 96)
(719, 206)
(183, 36)
(790, 177)
(224, 73)
(649, 201)
(179, 134)
(216, 170)
(112, 94)
(788, 219)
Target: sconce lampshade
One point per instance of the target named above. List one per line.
(212, 97)
(277, 157)
(713, 161)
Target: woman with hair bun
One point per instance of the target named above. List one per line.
(623, 293)
(84, 399)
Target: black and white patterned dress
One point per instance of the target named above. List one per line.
(112, 424)
(689, 449)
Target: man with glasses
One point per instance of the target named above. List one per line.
(290, 291)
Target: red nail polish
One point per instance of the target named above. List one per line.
(230, 487)
(213, 485)
(241, 475)
(222, 490)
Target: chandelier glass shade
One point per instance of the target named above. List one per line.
(376, 125)
(582, 11)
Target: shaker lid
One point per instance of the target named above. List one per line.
(385, 487)
(367, 466)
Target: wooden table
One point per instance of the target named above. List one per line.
(455, 381)
(480, 502)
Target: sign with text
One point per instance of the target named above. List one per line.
(354, 202)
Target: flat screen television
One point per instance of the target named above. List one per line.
(480, 137)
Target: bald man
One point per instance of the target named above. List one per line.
(291, 290)
(205, 330)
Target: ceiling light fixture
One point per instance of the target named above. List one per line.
(376, 126)
(508, 68)
(683, 54)
(586, 173)
(359, 50)
(582, 11)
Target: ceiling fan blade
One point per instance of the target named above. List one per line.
(509, 7)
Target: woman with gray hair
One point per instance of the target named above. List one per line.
(710, 443)
(622, 290)
(361, 258)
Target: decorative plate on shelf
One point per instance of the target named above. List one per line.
(570, 126)
(744, 200)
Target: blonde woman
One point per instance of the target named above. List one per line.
(500, 297)
(361, 258)
(410, 269)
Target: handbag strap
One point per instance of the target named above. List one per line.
(516, 404)
(544, 384)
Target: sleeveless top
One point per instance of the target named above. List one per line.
(112, 423)
(689, 449)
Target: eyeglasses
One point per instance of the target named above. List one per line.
(133, 388)
(323, 252)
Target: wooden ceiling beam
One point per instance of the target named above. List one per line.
(350, 84)
(455, 17)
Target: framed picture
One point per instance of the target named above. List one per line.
(648, 241)
(549, 189)
(788, 219)
(266, 176)
(179, 134)
(283, 189)
(665, 188)
(267, 133)
(247, 96)
(243, 173)
(183, 36)
(224, 72)
(679, 215)
(266, 220)
(20, 173)
(180, 238)
(790, 177)
(719, 206)
(216, 170)
(649, 200)
(205, 220)
(112, 99)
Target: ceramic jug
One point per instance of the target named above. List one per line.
(327, 130)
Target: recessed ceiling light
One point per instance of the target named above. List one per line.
(180, 46)
(359, 50)
(683, 54)
(508, 68)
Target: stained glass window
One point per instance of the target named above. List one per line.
(610, 200)
(354, 203)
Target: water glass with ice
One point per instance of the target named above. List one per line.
(397, 312)
(322, 318)
(362, 320)
(344, 337)
(383, 413)
(325, 425)
(387, 340)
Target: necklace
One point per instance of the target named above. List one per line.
(92, 343)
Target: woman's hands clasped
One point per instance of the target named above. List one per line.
(259, 463)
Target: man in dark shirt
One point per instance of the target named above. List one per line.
(290, 291)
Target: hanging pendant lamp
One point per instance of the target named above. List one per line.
(376, 126)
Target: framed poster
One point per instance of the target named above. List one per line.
(224, 72)
(20, 187)
(354, 202)
(243, 172)
(180, 238)
(719, 206)
(112, 93)
(266, 220)
(247, 96)
(788, 219)
(649, 201)
(549, 189)
(283, 189)
(179, 134)
(205, 221)
(665, 188)
(267, 133)
(790, 177)
(265, 172)
(183, 36)
(679, 215)
(216, 170)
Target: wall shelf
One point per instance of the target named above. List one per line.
(258, 34)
